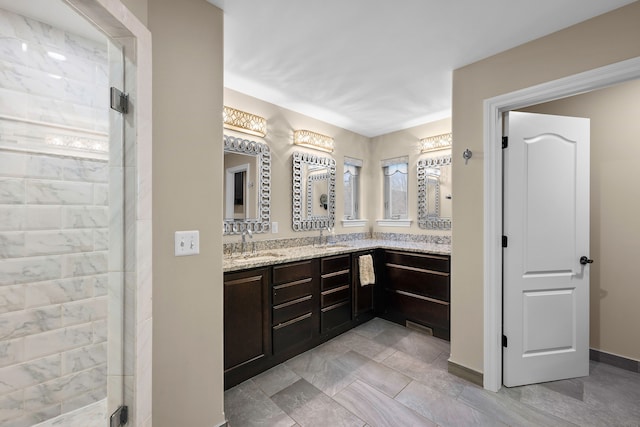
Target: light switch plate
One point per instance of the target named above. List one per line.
(187, 243)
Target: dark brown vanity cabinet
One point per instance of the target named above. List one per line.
(294, 305)
(335, 292)
(247, 320)
(417, 289)
(363, 296)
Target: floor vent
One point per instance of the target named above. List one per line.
(417, 327)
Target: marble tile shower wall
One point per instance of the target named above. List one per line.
(54, 221)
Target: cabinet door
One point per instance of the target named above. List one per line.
(246, 318)
(363, 296)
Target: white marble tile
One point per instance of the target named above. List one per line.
(130, 220)
(101, 194)
(84, 358)
(12, 244)
(11, 407)
(87, 171)
(28, 322)
(43, 217)
(99, 331)
(45, 167)
(57, 341)
(143, 279)
(84, 264)
(11, 351)
(58, 291)
(143, 372)
(130, 335)
(101, 239)
(116, 220)
(94, 415)
(81, 401)
(12, 164)
(57, 242)
(58, 193)
(101, 285)
(12, 217)
(115, 322)
(85, 217)
(77, 312)
(30, 419)
(16, 377)
(12, 298)
(14, 271)
(12, 191)
(64, 388)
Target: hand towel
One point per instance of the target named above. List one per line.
(367, 275)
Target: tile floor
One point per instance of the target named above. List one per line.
(382, 374)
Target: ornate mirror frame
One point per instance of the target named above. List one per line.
(424, 219)
(262, 223)
(299, 160)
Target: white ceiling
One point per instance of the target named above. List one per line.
(375, 66)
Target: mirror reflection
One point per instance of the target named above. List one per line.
(434, 193)
(313, 192)
(247, 182)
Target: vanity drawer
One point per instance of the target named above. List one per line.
(334, 296)
(419, 281)
(333, 280)
(416, 308)
(292, 290)
(292, 333)
(292, 309)
(335, 316)
(292, 272)
(424, 261)
(335, 263)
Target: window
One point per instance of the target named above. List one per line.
(351, 188)
(395, 173)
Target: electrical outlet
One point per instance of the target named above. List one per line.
(187, 243)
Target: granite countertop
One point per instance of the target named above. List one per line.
(298, 253)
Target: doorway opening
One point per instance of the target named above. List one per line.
(493, 218)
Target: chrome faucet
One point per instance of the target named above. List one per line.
(320, 237)
(244, 240)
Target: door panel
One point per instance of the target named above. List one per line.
(546, 220)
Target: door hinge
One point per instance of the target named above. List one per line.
(505, 141)
(504, 241)
(119, 100)
(504, 340)
(120, 417)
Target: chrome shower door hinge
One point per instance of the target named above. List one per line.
(119, 100)
(120, 417)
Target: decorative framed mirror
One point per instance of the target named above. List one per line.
(434, 193)
(314, 192)
(247, 186)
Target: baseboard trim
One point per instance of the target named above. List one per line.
(465, 373)
(614, 360)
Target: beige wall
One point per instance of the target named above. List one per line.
(615, 203)
(600, 41)
(396, 144)
(187, 189)
(280, 126)
(138, 8)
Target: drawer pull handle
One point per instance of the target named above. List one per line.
(420, 270)
(409, 294)
(292, 321)
(295, 301)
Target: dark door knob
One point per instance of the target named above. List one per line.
(584, 260)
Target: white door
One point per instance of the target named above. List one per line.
(546, 222)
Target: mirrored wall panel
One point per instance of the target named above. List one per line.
(247, 186)
(434, 193)
(314, 192)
